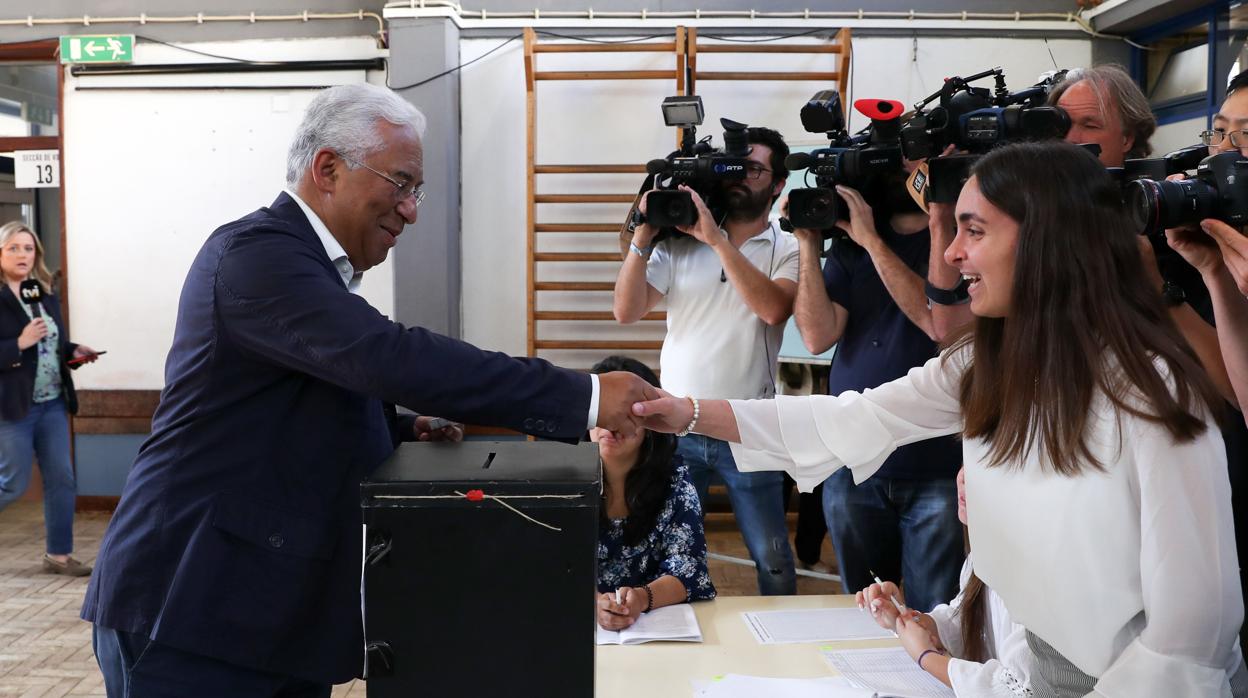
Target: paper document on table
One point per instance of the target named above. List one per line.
(673, 623)
(739, 686)
(888, 672)
(813, 625)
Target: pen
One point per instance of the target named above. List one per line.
(900, 606)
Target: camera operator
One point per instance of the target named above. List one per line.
(903, 522)
(729, 293)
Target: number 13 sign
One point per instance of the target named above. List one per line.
(37, 168)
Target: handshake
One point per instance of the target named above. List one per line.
(626, 404)
(618, 391)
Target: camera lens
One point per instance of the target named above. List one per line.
(668, 208)
(1157, 205)
(814, 208)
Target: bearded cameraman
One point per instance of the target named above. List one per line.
(729, 287)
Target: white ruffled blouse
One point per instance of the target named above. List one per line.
(1131, 573)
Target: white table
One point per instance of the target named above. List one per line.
(664, 669)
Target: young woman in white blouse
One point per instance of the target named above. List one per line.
(1098, 499)
(970, 643)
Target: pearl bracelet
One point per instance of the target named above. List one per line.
(697, 411)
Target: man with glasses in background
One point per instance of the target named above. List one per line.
(232, 564)
(729, 286)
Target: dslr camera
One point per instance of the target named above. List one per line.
(1218, 190)
(697, 165)
(857, 161)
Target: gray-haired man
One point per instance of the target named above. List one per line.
(231, 567)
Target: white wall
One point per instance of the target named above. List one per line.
(1179, 134)
(620, 121)
(150, 173)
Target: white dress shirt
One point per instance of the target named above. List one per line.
(1130, 573)
(351, 279)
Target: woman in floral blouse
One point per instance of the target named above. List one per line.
(651, 546)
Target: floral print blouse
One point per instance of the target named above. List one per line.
(676, 545)
(48, 370)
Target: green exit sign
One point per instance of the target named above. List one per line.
(108, 48)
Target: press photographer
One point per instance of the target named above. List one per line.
(729, 278)
(869, 300)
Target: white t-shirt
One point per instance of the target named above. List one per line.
(716, 347)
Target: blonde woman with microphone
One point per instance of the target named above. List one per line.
(36, 392)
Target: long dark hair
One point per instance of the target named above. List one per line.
(974, 618)
(648, 482)
(1083, 317)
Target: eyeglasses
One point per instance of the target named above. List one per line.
(1239, 139)
(402, 191)
(755, 171)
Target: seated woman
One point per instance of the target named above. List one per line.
(651, 548)
(1099, 506)
(970, 643)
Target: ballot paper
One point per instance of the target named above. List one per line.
(670, 623)
(813, 625)
(739, 686)
(888, 672)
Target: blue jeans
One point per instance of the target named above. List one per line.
(757, 504)
(903, 530)
(44, 431)
(136, 667)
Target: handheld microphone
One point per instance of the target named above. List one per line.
(32, 293)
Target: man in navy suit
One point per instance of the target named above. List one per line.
(232, 564)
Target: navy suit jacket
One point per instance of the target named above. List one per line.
(17, 368)
(238, 532)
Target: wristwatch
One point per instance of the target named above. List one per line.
(1174, 294)
(953, 296)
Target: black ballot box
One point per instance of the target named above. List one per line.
(479, 570)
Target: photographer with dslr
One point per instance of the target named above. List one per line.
(1218, 252)
(869, 301)
(729, 292)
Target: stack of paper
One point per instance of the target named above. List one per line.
(888, 672)
(671, 623)
(738, 686)
(813, 625)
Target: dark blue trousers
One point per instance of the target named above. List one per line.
(136, 667)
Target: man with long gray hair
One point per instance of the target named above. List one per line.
(232, 565)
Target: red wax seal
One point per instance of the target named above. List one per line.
(475, 495)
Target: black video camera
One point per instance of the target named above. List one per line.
(1218, 190)
(858, 161)
(696, 165)
(975, 120)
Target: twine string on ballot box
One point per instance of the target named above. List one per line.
(479, 495)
